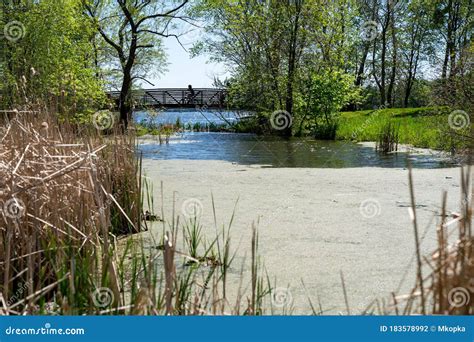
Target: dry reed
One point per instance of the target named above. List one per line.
(445, 278)
(65, 191)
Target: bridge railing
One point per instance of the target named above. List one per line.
(177, 97)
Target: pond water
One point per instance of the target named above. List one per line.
(310, 221)
(272, 151)
(187, 116)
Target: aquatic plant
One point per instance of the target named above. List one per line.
(388, 138)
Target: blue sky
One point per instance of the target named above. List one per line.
(182, 70)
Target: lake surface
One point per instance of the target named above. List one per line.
(187, 116)
(272, 151)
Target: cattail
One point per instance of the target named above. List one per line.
(44, 128)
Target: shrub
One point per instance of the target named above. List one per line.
(324, 94)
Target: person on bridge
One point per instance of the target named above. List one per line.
(191, 94)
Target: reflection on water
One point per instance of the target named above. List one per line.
(277, 152)
(187, 116)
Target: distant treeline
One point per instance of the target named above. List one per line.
(310, 58)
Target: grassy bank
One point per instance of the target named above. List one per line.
(426, 127)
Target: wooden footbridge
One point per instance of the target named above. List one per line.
(176, 97)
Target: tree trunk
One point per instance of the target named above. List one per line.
(382, 88)
(449, 40)
(407, 91)
(391, 85)
(289, 91)
(360, 71)
(454, 39)
(124, 100)
(383, 98)
(292, 67)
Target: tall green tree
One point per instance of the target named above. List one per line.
(416, 43)
(272, 46)
(46, 56)
(133, 32)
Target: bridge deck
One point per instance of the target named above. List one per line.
(176, 97)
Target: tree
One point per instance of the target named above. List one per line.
(46, 57)
(384, 44)
(326, 92)
(133, 29)
(415, 43)
(269, 45)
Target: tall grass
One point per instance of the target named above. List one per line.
(388, 138)
(444, 278)
(69, 195)
(66, 193)
(421, 127)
